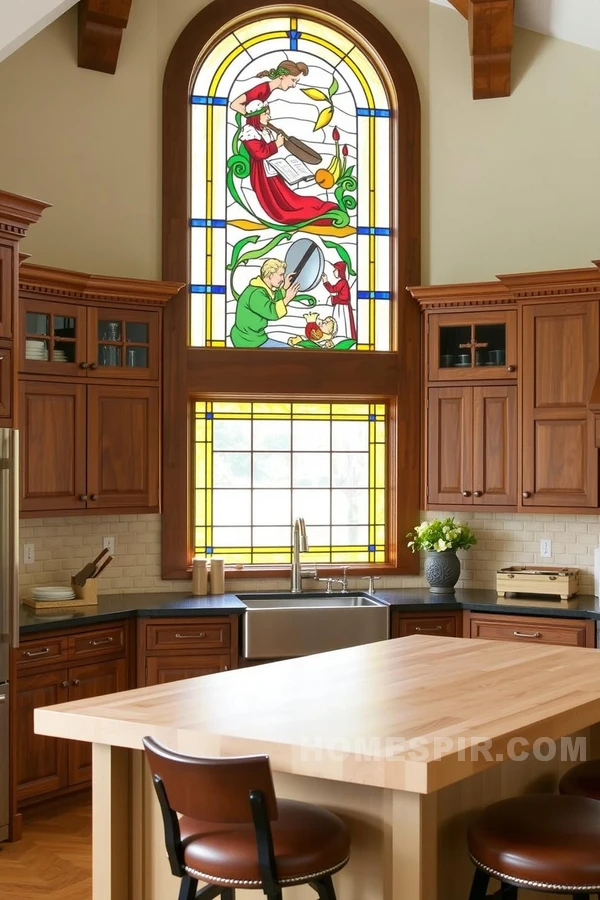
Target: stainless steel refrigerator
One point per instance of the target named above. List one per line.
(9, 597)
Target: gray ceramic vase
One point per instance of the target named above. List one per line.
(442, 570)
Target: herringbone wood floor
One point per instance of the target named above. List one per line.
(54, 858)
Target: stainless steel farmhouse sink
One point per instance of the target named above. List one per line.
(286, 624)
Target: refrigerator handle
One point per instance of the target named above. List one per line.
(9, 535)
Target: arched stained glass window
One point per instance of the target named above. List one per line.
(291, 187)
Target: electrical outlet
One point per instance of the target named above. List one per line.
(546, 549)
(108, 543)
(28, 554)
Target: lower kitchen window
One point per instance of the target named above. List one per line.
(258, 465)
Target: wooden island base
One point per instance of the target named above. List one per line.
(407, 806)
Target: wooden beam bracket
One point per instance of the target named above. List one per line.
(101, 25)
(491, 24)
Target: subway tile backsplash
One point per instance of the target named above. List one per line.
(63, 545)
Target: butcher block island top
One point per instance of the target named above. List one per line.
(402, 714)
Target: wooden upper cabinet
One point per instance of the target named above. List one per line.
(5, 383)
(9, 261)
(53, 445)
(495, 445)
(123, 444)
(472, 446)
(450, 446)
(559, 363)
(123, 344)
(53, 338)
(472, 345)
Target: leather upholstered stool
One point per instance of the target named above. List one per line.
(235, 833)
(543, 842)
(582, 780)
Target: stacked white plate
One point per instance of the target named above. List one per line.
(52, 592)
(60, 356)
(36, 350)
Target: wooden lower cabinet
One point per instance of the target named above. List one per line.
(531, 629)
(170, 649)
(163, 669)
(93, 680)
(5, 386)
(443, 624)
(41, 763)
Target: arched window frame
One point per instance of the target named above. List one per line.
(191, 372)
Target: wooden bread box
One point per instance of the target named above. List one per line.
(558, 580)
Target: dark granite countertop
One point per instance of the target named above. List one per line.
(111, 607)
(149, 605)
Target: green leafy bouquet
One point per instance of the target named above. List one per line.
(441, 534)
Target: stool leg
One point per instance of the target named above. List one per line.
(509, 891)
(188, 888)
(479, 886)
(324, 888)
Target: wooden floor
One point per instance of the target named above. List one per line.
(54, 858)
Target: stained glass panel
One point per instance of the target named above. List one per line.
(290, 149)
(246, 498)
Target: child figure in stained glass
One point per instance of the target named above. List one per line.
(277, 199)
(340, 300)
(264, 300)
(318, 331)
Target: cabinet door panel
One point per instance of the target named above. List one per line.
(8, 287)
(495, 446)
(164, 669)
(532, 629)
(450, 446)
(123, 446)
(53, 339)
(41, 762)
(124, 343)
(85, 682)
(53, 440)
(5, 383)
(560, 362)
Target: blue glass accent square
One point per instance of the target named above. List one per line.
(371, 548)
(207, 288)
(209, 415)
(371, 417)
(208, 550)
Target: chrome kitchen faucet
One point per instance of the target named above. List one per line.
(299, 545)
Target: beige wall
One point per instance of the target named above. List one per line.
(508, 185)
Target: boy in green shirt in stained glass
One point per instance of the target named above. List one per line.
(264, 300)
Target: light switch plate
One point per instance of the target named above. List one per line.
(28, 554)
(108, 543)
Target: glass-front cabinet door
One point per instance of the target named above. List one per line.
(472, 346)
(123, 344)
(53, 335)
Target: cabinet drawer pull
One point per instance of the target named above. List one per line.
(30, 653)
(93, 496)
(477, 494)
(94, 366)
(536, 634)
(225, 668)
(428, 628)
(526, 495)
(75, 682)
(83, 365)
(202, 634)
(466, 493)
(511, 368)
(64, 684)
(83, 497)
(107, 640)
(3, 697)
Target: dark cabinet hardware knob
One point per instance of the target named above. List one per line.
(93, 496)
(94, 366)
(477, 494)
(83, 365)
(526, 495)
(466, 493)
(511, 368)
(83, 497)
(64, 684)
(75, 682)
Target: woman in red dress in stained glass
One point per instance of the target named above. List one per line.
(276, 197)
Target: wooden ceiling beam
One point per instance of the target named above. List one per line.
(491, 25)
(462, 6)
(101, 25)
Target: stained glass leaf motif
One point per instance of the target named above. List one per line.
(342, 253)
(314, 93)
(333, 88)
(324, 118)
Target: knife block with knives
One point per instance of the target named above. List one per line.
(85, 583)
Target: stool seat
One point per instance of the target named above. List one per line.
(582, 780)
(309, 842)
(548, 842)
